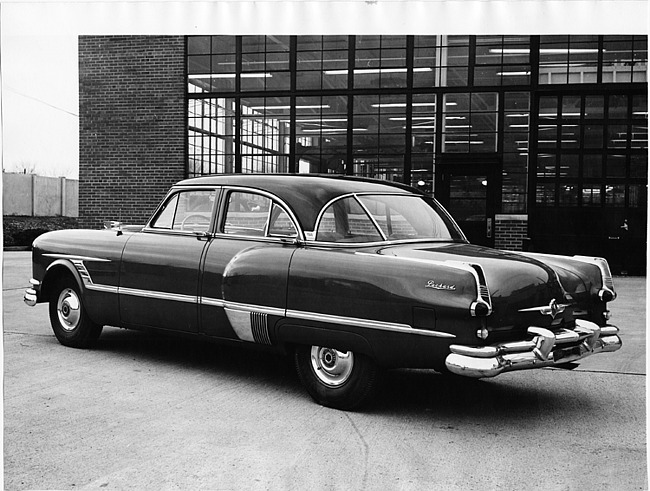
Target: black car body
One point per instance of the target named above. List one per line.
(348, 275)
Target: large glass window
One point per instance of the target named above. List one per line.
(470, 122)
(211, 63)
(502, 60)
(321, 134)
(454, 61)
(379, 136)
(388, 106)
(423, 141)
(515, 152)
(625, 59)
(380, 62)
(589, 147)
(568, 59)
(426, 52)
(211, 136)
(264, 134)
(265, 63)
(322, 62)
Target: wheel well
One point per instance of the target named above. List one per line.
(52, 277)
(291, 335)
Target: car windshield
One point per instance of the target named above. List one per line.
(375, 218)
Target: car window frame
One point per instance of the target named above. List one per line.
(223, 209)
(450, 222)
(175, 191)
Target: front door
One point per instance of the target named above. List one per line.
(160, 275)
(468, 193)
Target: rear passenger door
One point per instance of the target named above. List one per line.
(244, 283)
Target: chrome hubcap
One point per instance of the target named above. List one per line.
(332, 367)
(69, 309)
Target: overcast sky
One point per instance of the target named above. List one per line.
(39, 61)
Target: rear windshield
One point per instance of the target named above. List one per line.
(376, 218)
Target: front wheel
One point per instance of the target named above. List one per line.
(70, 323)
(338, 379)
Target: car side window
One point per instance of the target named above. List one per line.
(345, 220)
(165, 216)
(188, 211)
(254, 215)
(246, 214)
(280, 225)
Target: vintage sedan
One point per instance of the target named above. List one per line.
(348, 276)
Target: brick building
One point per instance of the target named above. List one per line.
(533, 142)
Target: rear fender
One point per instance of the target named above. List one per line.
(292, 334)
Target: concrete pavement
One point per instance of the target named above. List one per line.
(151, 412)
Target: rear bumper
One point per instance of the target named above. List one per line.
(546, 349)
(31, 294)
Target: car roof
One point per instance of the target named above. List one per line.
(306, 194)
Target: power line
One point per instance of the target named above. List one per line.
(10, 89)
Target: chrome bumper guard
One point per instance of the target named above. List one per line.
(546, 349)
(31, 294)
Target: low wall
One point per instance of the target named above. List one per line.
(32, 195)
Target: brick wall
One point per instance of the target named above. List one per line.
(510, 232)
(132, 125)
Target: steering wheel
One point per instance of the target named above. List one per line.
(195, 220)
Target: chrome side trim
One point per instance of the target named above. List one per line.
(78, 263)
(260, 328)
(261, 309)
(74, 257)
(212, 302)
(103, 288)
(158, 295)
(365, 323)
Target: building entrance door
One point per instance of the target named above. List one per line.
(468, 193)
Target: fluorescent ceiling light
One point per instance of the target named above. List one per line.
(403, 104)
(284, 108)
(513, 74)
(564, 51)
(231, 75)
(472, 142)
(414, 118)
(518, 126)
(545, 51)
(458, 126)
(554, 115)
(332, 130)
(370, 71)
(555, 141)
(324, 120)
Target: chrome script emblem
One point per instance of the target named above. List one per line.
(439, 286)
(552, 309)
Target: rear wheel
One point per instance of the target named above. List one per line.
(338, 379)
(70, 323)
